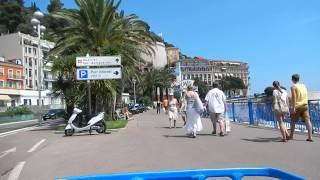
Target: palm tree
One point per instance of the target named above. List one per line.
(96, 27)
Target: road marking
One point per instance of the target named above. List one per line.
(16, 131)
(4, 153)
(36, 145)
(15, 173)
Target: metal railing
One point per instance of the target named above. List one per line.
(259, 113)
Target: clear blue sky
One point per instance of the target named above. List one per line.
(277, 38)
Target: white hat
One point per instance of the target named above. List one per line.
(170, 93)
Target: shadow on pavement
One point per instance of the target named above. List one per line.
(263, 140)
(171, 128)
(176, 136)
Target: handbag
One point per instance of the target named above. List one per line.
(282, 106)
(198, 105)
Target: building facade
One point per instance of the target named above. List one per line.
(24, 47)
(210, 71)
(172, 54)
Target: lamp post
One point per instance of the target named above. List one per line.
(35, 21)
(134, 91)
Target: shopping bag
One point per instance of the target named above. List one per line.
(227, 121)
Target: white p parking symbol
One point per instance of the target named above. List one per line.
(83, 74)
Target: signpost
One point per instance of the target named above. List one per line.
(98, 61)
(101, 73)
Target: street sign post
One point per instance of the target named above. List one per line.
(98, 61)
(99, 73)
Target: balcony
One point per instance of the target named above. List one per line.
(12, 77)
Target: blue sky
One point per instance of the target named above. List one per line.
(276, 37)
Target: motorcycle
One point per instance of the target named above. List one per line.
(95, 123)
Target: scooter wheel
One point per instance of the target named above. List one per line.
(102, 128)
(68, 132)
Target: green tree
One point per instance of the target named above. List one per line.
(10, 16)
(231, 84)
(96, 27)
(54, 5)
(268, 91)
(202, 87)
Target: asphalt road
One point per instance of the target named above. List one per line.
(148, 144)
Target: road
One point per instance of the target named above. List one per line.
(148, 144)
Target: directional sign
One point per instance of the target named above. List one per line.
(98, 61)
(99, 73)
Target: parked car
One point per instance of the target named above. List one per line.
(54, 113)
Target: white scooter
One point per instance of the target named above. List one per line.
(96, 123)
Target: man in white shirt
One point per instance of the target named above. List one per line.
(216, 99)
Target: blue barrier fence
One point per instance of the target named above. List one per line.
(260, 113)
(234, 174)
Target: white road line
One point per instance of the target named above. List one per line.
(15, 173)
(16, 131)
(36, 145)
(4, 153)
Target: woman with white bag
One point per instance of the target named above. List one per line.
(280, 107)
(194, 108)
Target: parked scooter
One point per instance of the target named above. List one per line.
(95, 123)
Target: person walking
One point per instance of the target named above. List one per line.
(158, 107)
(183, 105)
(299, 106)
(280, 106)
(172, 110)
(216, 100)
(193, 124)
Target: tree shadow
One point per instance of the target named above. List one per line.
(171, 128)
(263, 140)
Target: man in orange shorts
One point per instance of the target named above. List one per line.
(300, 106)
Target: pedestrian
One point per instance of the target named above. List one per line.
(165, 105)
(216, 100)
(172, 110)
(158, 107)
(183, 106)
(299, 105)
(193, 109)
(280, 106)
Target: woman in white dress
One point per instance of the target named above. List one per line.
(194, 124)
(172, 110)
(280, 107)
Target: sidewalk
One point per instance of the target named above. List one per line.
(147, 144)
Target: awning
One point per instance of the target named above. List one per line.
(5, 98)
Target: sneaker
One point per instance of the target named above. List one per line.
(214, 133)
(309, 140)
(221, 134)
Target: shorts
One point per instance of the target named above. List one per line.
(301, 112)
(216, 117)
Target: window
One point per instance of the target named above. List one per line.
(1, 84)
(29, 50)
(30, 62)
(30, 73)
(18, 85)
(18, 74)
(35, 62)
(26, 60)
(10, 84)
(26, 71)
(1, 71)
(26, 82)
(30, 83)
(34, 51)
(25, 102)
(10, 73)
(25, 50)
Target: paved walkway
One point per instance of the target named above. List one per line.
(148, 144)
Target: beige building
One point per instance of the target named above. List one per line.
(172, 54)
(210, 71)
(25, 48)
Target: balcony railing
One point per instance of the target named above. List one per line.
(11, 77)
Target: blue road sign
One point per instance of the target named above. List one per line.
(83, 74)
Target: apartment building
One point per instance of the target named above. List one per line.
(25, 48)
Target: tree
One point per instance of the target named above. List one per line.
(96, 27)
(231, 84)
(54, 5)
(268, 91)
(202, 87)
(10, 16)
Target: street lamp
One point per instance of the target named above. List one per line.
(134, 91)
(35, 21)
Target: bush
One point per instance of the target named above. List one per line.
(146, 100)
(18, 111)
